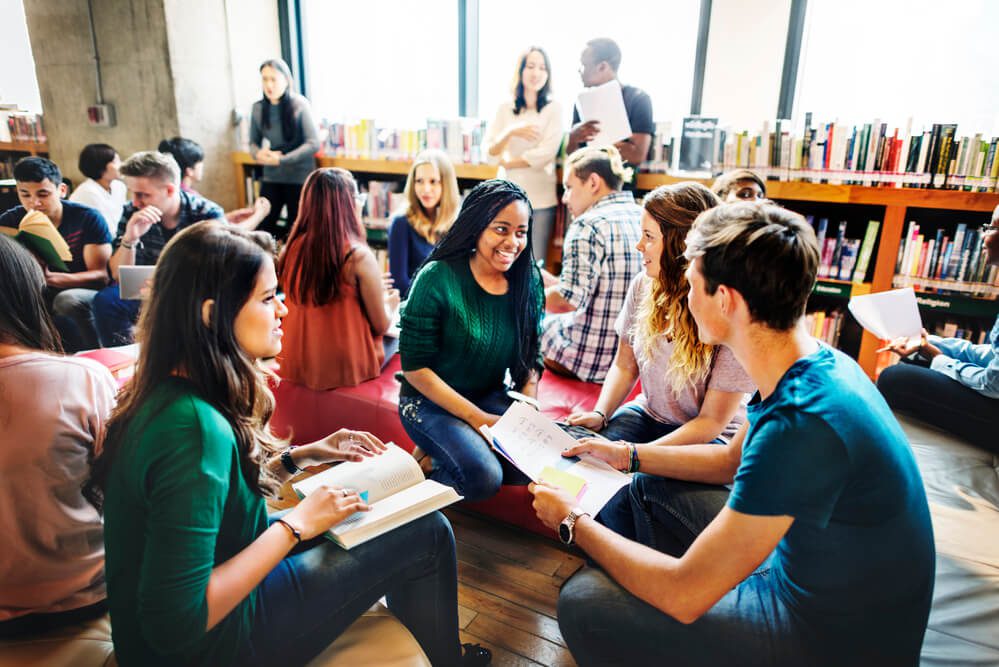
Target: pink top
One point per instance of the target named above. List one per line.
(52, 414)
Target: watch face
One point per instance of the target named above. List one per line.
(564, 534)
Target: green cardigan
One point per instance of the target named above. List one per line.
(176, 505)
(458, 330)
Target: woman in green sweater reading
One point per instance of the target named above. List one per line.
(472, 316)
(196, 572)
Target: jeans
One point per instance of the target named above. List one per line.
(280, 195)
(633, 424)
(603, 624)
(76, 305)
(319, 590)
(115, 316)
(462, 458)
(943, 402)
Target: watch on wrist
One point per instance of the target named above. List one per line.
(289, 463)
(567, 529)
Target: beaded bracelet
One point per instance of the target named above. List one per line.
(633, 462)
(603, 417)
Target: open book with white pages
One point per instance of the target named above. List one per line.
(391, 483)
(534, 444)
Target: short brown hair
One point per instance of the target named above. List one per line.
(162, 167)
(727, 181)
(767, 253)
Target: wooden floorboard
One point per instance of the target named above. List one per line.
(508, 583)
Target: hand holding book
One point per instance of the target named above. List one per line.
(325, 507)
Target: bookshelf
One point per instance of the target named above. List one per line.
(29, 147)
(892, 205)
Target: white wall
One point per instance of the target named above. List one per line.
(18, 83)
(745, 57)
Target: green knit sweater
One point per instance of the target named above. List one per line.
(458, 330)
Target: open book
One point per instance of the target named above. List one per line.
(534, 444)
(37, 233)
(391, 483)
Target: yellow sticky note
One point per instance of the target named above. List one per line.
(573, 484)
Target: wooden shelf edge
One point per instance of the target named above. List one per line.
(33, 147)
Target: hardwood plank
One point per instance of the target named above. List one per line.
(472, 530)
(465, 614)
(501, 657)
(542, 601)
(520, 642)
(570, 566)
(510, 613)
(507, 569)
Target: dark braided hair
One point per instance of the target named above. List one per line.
(481, 206)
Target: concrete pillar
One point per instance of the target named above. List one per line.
(170, 67)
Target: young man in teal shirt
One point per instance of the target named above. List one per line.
(822, 553)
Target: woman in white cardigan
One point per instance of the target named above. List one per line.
(525, 138)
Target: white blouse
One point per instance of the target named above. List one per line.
(109, 204)
(538, 179)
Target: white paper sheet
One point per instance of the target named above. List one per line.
(888, 315)
(605, 103)
(532, 442)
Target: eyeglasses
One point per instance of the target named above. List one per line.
(989, 229)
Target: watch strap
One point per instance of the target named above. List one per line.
(289, 463)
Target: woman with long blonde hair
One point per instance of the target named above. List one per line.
(432, 202)
(691, 392)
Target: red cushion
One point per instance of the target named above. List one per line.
(305, 415)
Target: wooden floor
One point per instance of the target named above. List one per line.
(508, 582)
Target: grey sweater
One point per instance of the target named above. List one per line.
(297, 161)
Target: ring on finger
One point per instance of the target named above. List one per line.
(345, 492)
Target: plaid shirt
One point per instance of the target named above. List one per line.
(193, 208)
(599, 260)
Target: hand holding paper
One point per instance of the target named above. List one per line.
(605, 103)
(888, 315)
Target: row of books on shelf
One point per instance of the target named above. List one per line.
(7, 161)
(21, 126)
(843, 258)
(825, 325)
(866, 154)
(942, 261)
(460, 138)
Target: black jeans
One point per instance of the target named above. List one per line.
(280, 195)
(943, 402)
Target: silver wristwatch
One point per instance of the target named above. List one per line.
(567, 529)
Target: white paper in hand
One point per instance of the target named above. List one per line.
(888, 315)
(605, 103)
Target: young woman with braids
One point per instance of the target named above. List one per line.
(472, 315)
(691, 392)
(197, 573)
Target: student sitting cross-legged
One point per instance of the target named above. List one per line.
(472, 316)
(821, 554)
(197, 573)
(52, 415)
(338, 307)
(70, 290)
(692, 392)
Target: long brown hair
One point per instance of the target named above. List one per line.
(326, 226)
(209, 260)
(447, 208)
(663, 310)
(24, 319)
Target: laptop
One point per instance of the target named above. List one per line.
(131, 279)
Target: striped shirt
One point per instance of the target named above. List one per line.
(599, 260)
(193, 208)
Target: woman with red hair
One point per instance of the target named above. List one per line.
(338, 308)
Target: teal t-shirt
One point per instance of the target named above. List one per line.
(857, 565)
(176, 505)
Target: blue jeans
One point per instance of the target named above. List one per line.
(603, 624)
(462, 458)
(319, 590)
(633, 424)
(115, 316)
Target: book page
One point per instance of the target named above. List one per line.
(532, 442)
(605, 103)
(888, 315)
(393, 511)
(378, 476)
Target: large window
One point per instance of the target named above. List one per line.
(392, 60)
(657, 40)
(936, 62)
(18, 84)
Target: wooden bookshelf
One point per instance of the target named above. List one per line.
(896, 202)
(30, 147)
